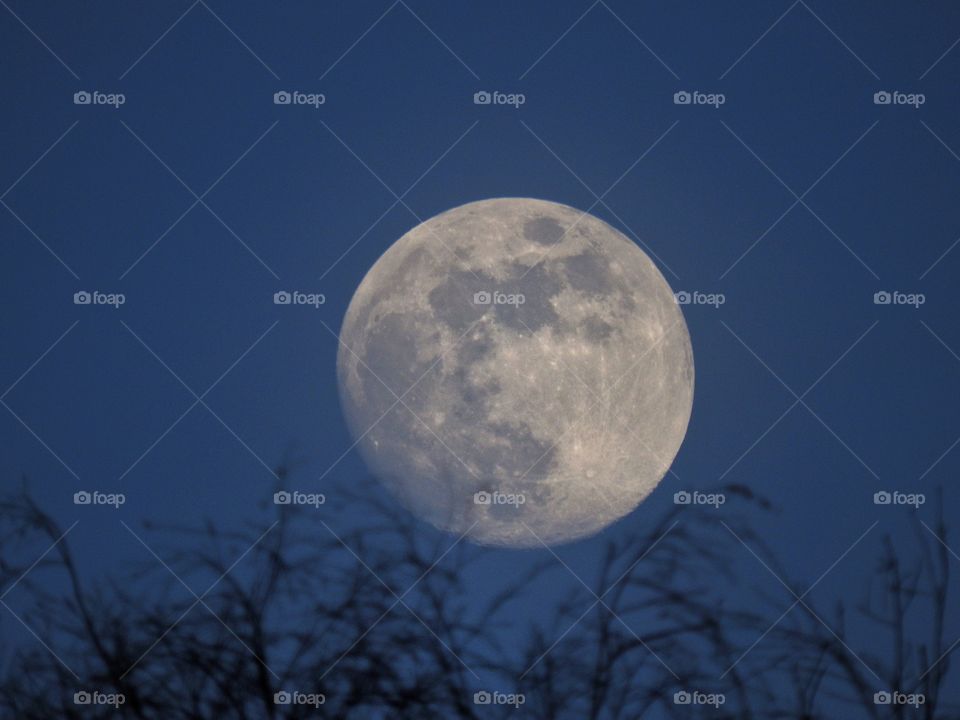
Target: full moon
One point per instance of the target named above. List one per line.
(517, 372)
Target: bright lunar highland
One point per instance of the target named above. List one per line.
(516, 371)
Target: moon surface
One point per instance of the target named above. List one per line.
(516, 371)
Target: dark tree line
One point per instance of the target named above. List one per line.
(215, 623)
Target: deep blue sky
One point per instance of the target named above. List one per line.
(297, 196)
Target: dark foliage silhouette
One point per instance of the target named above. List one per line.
(218, 622)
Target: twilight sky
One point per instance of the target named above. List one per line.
(198, 198)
